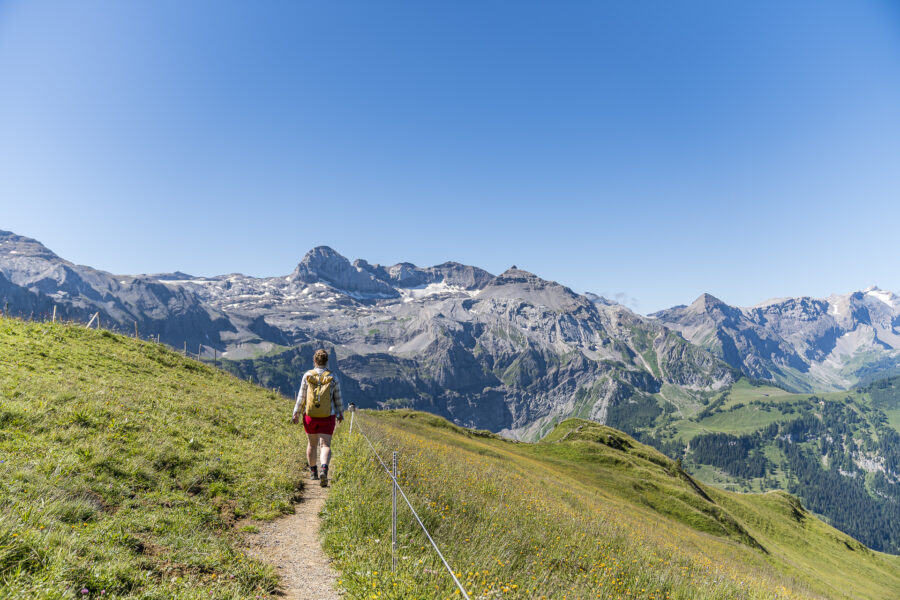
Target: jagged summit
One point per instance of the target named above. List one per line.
(804, 343)
(323, 264)
(322, 256)
(13, 245)
(705, 304)
(515, 272)
(407, 275)
(889, 298)
(706, 301)
(524, 285)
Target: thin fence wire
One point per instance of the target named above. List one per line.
(409, 504)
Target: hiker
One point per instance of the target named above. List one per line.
(319, 401)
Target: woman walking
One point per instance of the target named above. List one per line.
(319, 401)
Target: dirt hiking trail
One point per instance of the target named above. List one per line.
(291, 544)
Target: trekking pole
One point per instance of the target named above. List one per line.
(394, 515)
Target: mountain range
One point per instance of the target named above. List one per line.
(512, 352)
(805, 344)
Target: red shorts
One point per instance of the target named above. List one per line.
(318, 424)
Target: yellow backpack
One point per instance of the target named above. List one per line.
(319, 389)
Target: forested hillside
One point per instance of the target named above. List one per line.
(838, 452)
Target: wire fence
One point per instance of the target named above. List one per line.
(398, 488)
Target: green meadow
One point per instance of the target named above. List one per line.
(126, 469)
(586, 513)
(130, 471)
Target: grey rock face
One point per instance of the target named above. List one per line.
(505, 353)
(322, 264)
(805, 344)
(408, 275)
(37, 277)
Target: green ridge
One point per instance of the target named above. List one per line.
(588, 512)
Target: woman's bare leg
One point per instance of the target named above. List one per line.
(312, 446)
(326, 448)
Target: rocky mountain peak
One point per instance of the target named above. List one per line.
(322, 255)
(408, 275)
(13, 245)
(465, 276)
(705, 307)
(705, 303)
(323, 264)
(889, 298)
(516, 275)
(524, 285)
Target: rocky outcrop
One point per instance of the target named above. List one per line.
(322, 264)
(408, 275)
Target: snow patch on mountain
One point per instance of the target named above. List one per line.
(889, 298)
(433, 289)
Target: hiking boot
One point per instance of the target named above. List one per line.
(313, 472)
(323, 478)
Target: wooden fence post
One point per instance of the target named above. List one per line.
(135, 330)
(54, 313)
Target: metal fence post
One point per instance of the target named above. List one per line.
(394, 517)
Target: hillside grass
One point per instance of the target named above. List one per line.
(125, 466)
(586, 513)
(745, 391)
(126, 471)
(747, 407)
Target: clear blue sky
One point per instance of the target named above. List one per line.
(653, 149)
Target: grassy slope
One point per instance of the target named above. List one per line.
(123, 468)
(588, 512)
(749, 418)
